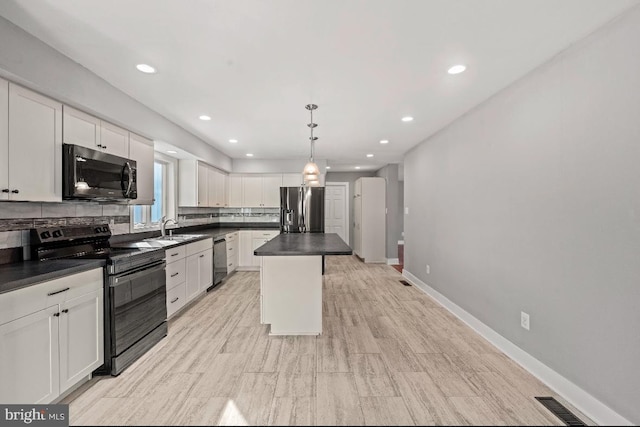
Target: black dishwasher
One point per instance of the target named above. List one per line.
(219, 261)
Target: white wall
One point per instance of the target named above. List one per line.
(532, 202)
(27, 60)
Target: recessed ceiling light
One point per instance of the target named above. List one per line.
(172, 152)
(145, 68)
(249, 155)
(205, 118)
(407, 119)
(328, 167)
(369, 155)
(357, 167)
(233, 141)
(384, 141)
(457, 69)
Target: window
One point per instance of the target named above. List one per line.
(151, 216)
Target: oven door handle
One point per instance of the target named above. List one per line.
(127, 192)
(134, 275)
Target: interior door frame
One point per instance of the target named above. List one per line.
(346, 205)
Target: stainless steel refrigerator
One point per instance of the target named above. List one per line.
(302, 209)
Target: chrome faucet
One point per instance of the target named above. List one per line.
(163, 227)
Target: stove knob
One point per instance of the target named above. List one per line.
(105, 229)
(45, 235)
(98, 229)
(57, 233)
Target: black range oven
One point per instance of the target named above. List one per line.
(93, 175)
(135, 301)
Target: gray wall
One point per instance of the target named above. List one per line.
(351, 178)
(532, 202)
(27, 60)
(394, 223)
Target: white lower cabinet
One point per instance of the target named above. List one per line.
(189, 273)
(249, 241)
(29, 355)
(51, 337)
(80, 352)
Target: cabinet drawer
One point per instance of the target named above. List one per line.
(202, 245)
(21, 302)
(232, 248)
(176, 299)
(176, 273)
(231, 237)
(231, 266)
(174, 254)
(267, 234)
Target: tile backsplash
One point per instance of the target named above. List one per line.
(195, 216)
(17, 218)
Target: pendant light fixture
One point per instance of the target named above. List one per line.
(311, 172)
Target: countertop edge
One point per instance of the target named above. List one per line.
(56, 273)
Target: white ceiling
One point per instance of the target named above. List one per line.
(252, 65)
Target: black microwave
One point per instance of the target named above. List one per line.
(93, 175)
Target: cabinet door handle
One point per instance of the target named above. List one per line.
(104, 146)
(174, 274)
(176, 254)
(58, 292)
(66, 310)
(175, 299)
(99, 145)
(229, 265)
(56, 314)
(16, 191)
(202, 256)
(5, 190)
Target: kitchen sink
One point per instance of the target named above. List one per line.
(172, 240)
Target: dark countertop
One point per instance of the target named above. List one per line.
(206, 229)
(302, 244)
(28, 273)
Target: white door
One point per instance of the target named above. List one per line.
(4, 139)
(193, 277)
(271, 191)
(114, 140)
(35, 138)
(203, 185)
(81, 338)
(252, 191)
(81, 129)
(336, 211)
(141, 150)
(205, 268)
(235, 191)
(29, 358)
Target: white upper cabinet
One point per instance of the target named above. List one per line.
(271, 191)
(260, 191)
(141, 150)
(88, 131)
(114, 140)
(4, 139)
(81, 128)
(201, 185)
(34, 161)
(235, 191)
(251, 191)
(292, 180)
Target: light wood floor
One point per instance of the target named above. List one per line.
(389, 355)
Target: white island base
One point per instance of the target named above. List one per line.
(291, 294)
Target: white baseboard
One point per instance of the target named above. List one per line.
(576, 396)
(393, 261)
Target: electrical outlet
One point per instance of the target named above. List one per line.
(406, 210)
(428, 269)
(524, 320)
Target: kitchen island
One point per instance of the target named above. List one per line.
(291, 281)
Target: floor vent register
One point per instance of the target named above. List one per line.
(404, 282)
(557, 409)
